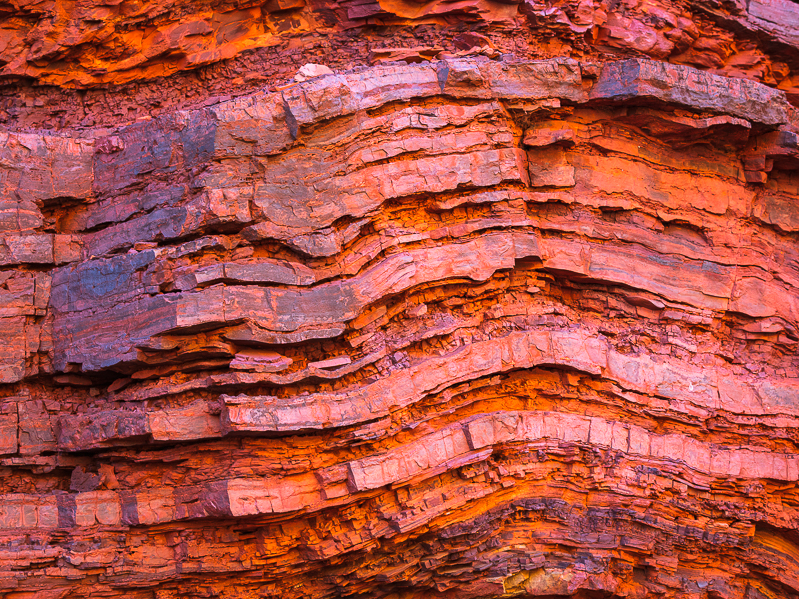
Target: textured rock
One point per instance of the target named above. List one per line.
(157, 57)
(456, 323)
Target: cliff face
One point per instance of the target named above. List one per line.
(452, 323)
(135, 58)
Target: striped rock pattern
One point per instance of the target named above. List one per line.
(135, 59)
(470, 327)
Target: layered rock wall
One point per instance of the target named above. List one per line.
(474, 326)
(135, 59)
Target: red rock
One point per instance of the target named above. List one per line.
(447, 314)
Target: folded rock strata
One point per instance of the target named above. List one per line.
(119, 53)
(464, 327)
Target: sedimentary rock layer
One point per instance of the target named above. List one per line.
(137, 59)
(470, 327)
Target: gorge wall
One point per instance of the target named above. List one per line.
(501, 301)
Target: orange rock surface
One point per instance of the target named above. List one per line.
(430, 320)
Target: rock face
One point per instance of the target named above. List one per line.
(454, 323)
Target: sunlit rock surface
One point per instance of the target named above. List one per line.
(498, 300)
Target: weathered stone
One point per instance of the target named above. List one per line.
(457, 324)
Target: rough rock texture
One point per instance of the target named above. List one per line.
(457, 324)
(119, 51)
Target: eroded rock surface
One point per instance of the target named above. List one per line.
(473, 326)
(136, 59)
